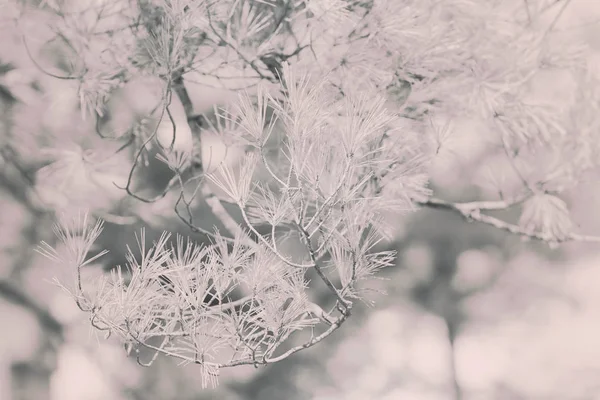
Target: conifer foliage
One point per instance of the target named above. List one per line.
(340, 108)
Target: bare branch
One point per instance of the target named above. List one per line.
(472, 212)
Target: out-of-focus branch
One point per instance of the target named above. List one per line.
(468, 207)
(557, 17)
(17, 188)
(452, 333)
(472, 211)
(15, 295)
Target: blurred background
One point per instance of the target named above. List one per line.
(468, 313)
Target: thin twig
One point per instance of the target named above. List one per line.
(347, 304)
(269, 245)
(558, 15)
(40, 68)
(127, 187)
(528, 12)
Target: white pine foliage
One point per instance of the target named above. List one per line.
(78, 178)
(548, 215)
(237, 184)
(363, 101)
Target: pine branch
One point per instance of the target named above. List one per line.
(472, 212)
(221, 213)
(211, 199)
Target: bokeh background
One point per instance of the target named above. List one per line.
(469, 312)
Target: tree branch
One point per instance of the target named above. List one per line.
(452, 333)
(211, 199)
(472, 211)
(15, 295)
